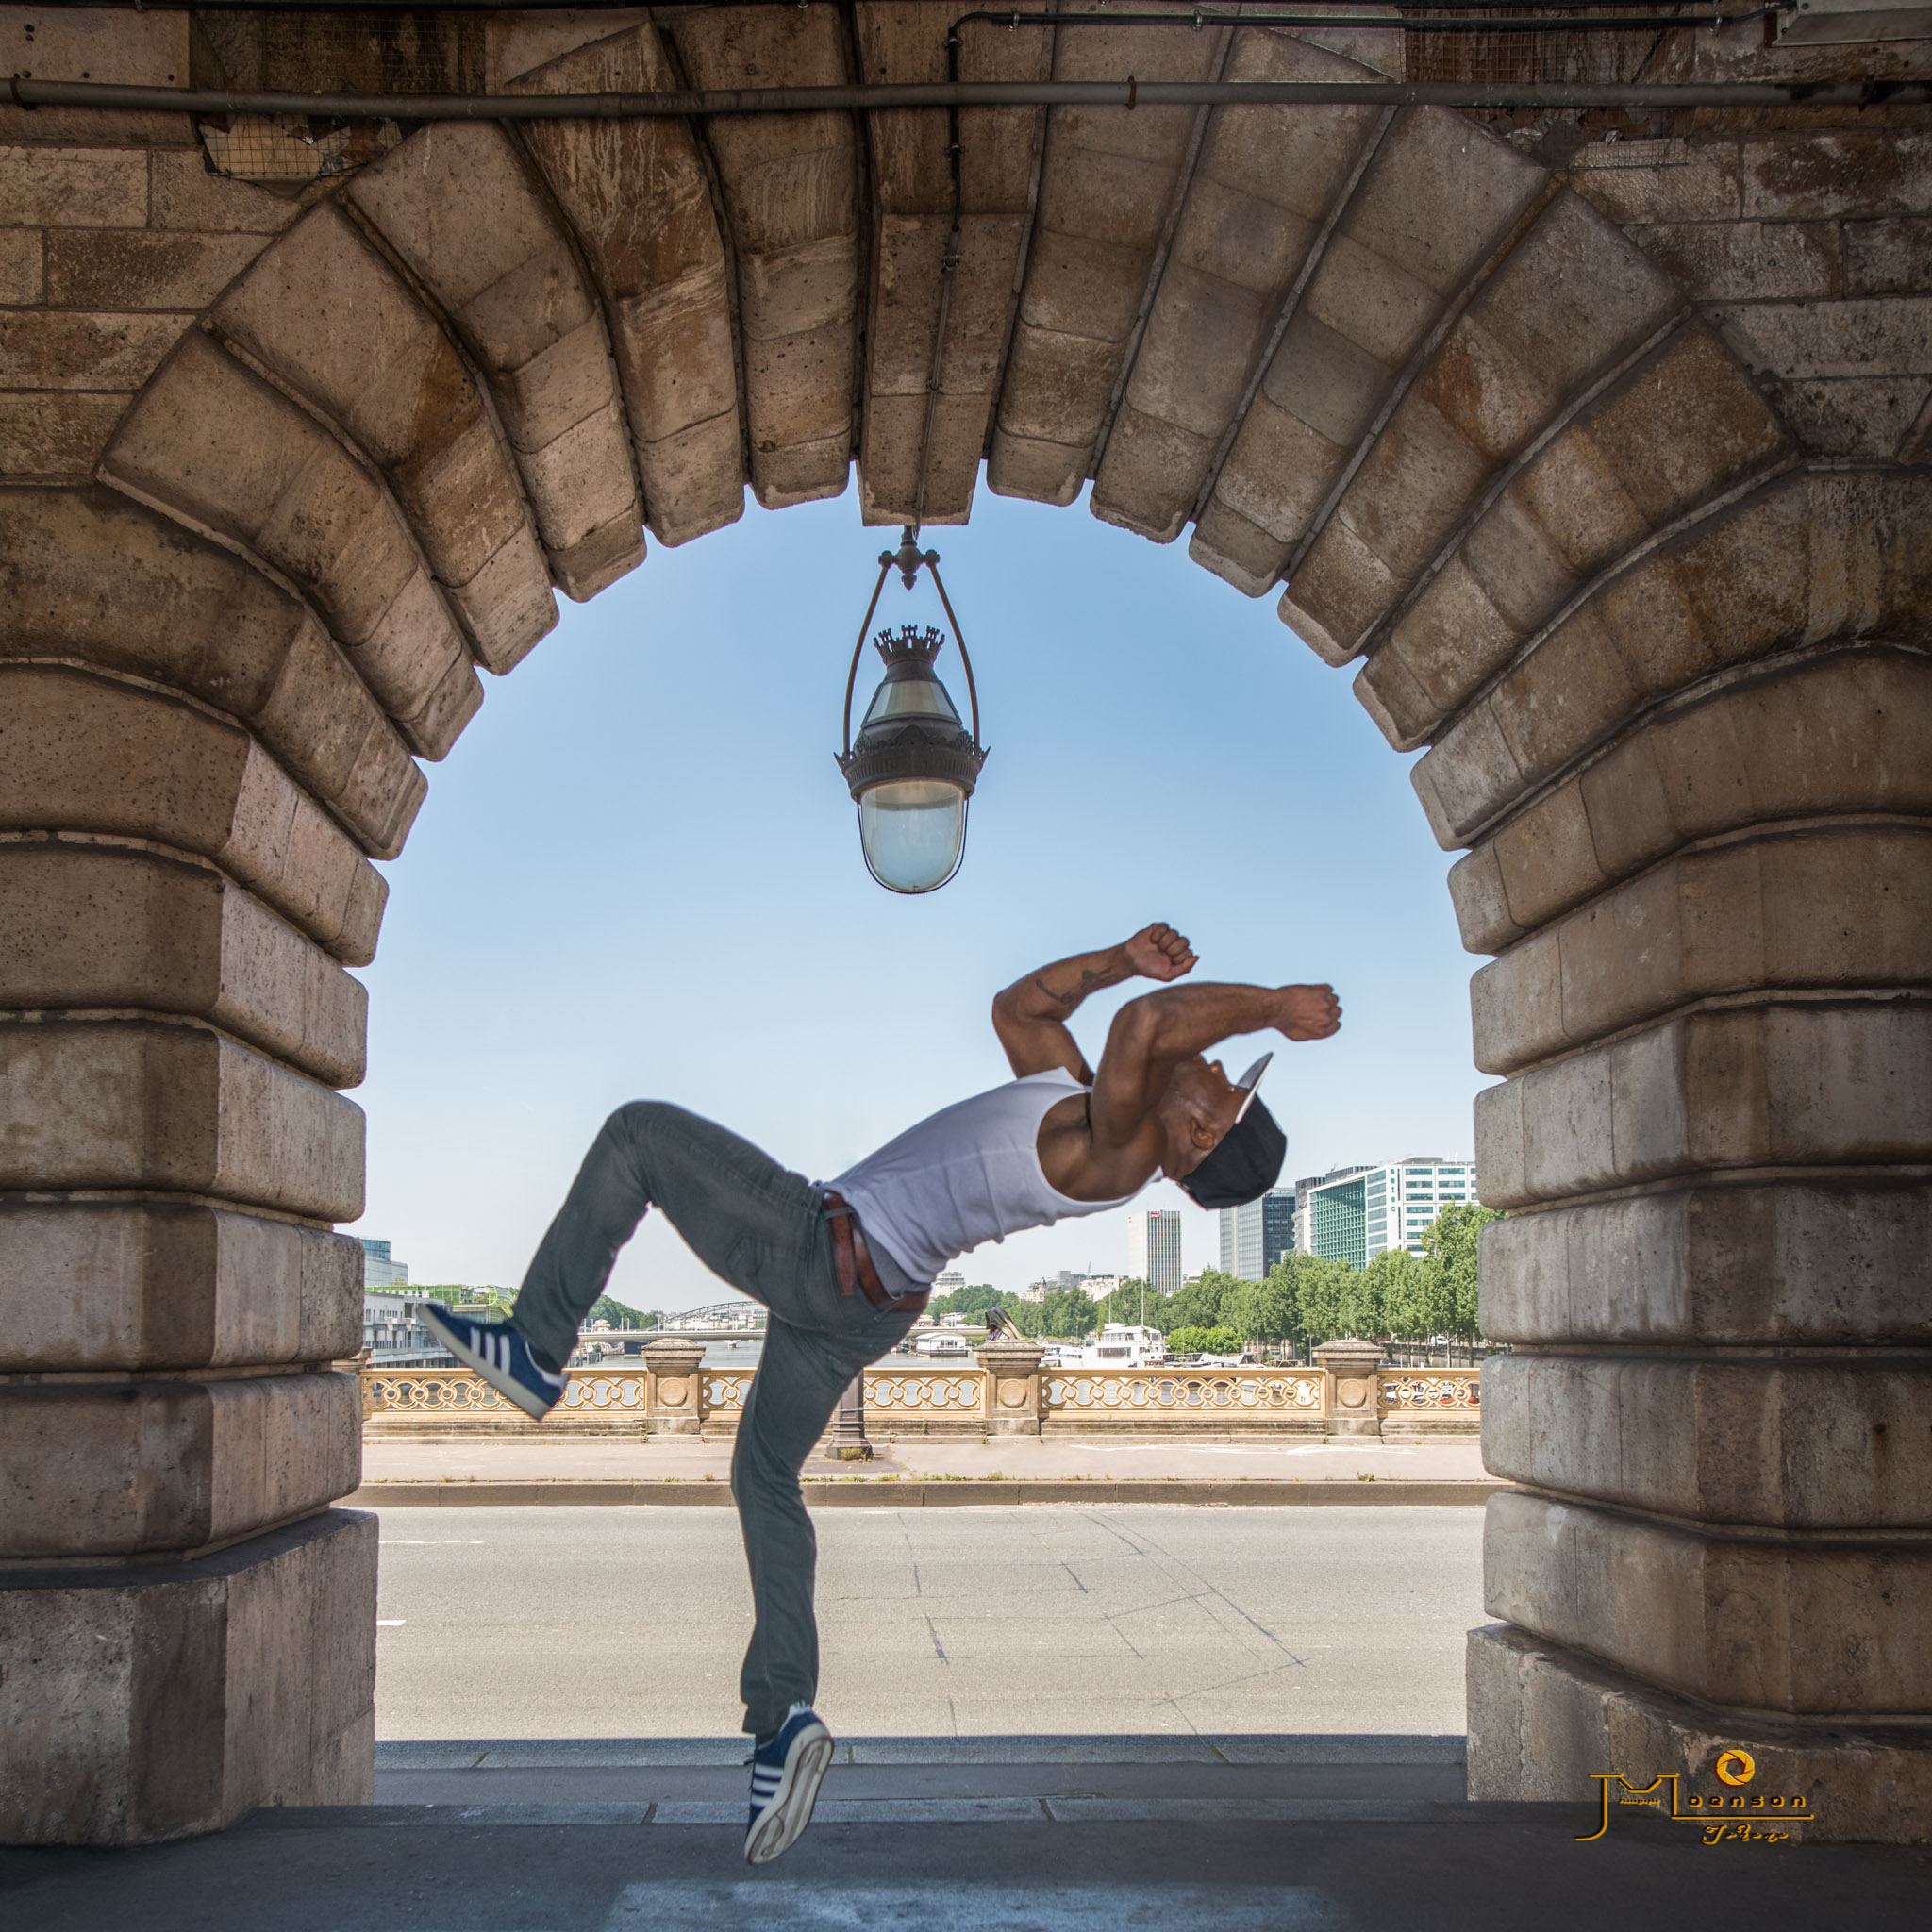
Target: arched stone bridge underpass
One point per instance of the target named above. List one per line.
(1595, 441)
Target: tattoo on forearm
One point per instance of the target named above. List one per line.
(1088, 981)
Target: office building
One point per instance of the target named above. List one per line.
(1154, 1249)
(1256, 1236)
(1353, 1214)
(379, 1268)
(951, 1282)
(394, 1330)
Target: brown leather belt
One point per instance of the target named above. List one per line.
(853, 1263)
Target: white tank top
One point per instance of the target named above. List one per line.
(968, 1173)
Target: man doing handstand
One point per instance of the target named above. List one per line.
(845, 1267)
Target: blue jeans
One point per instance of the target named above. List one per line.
(765, 1230)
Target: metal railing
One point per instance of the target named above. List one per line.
(1301, 1400)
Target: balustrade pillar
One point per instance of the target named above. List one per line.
(1351, 1373)
(674, 1387)
(1014, 1391)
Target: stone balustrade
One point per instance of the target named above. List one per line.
(1347, 1392)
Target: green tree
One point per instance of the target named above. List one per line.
(1068, 1311)
(973, 1299)
(1197, 1340)
(1025, 1315)
(1401, 1286)
(1319, 1288)
(1133, 1303)
(1450, 1249)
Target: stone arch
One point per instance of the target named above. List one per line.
(1650, 588)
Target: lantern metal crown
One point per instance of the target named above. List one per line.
(915, 764)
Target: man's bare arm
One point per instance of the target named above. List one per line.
(1151, 1035)
(1031, 1015)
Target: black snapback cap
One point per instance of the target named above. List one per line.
(1247, 1160)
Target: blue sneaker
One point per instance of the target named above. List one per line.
(785, 1773)
(500, 1355)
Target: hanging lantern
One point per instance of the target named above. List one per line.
(913, 770)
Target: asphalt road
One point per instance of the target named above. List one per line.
(1146, 1621)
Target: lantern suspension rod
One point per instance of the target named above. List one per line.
(886, 561)
(932, 563)
(23, 91)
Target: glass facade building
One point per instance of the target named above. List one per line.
(380, 1269)
(1256, 1236)
(1355, 1213)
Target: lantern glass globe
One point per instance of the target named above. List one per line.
(913, 831)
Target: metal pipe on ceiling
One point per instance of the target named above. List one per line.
(1128, 93)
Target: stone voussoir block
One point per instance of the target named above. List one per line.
(112, 1469)
(1842, 732)
(386, 374)
(663, 278)
(1811, 1084)
(1804, 1264)
(90, 755)
(156, 1701)
(1846, 905)
(164, 1284)
(1784, 1627)
(209, 438)
(1807, 558)
(1685, 424)
(456, 204)
(1790, 1443)
(107, 926)
(147, 1104)
(99, 578)
(1545, 1722)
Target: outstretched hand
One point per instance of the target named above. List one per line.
(1158, 952)
(1308, 1012)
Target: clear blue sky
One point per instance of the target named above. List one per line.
(638, 877)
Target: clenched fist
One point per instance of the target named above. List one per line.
(1158, 952)
(1308, 1012)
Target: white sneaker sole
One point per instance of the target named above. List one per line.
(510, 1390)
(782, 1822)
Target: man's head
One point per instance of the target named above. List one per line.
(1200, 1106)
(1223, 1145)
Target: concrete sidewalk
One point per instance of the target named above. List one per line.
(925, 1472)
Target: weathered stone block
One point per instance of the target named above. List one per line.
(1836, 733)
(46, 435)
(1808, 558)
(1861, 336)
(1796, 1265)
(94, 756)
(159, 1700)
(73, 188)
(185, 195)
(1747, 261)
(1888, 258)
(1666, 180)
(1827, 173)
(118, 268)
(131, 1285)
(98, 577)
(1544, 1720)
(62, 348)
(21, 276)
(1827, 1629)
(142, 1104)
(1803, 1085)
(105, 927)
(1849, 907)
(1785, 1444)
(107, 1469)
